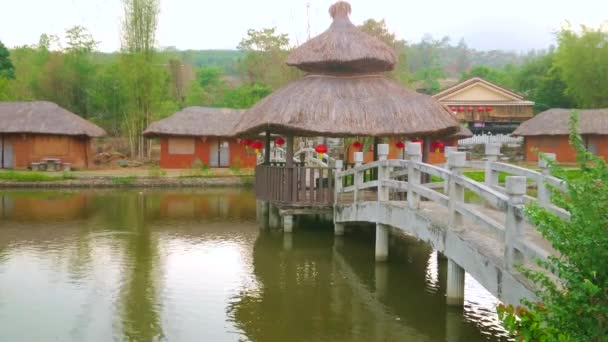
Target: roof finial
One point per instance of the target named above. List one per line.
(340, 9)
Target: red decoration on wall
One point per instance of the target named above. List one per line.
(461, 109)
(279, 141)
(438, 146)
(453, 109)
(358, 145)
(480, 109)
(257, 145)
(489, 109)
(471, 109)
(400, 145)
(321, 150)
(246, 142)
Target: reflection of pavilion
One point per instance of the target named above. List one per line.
(309, 290)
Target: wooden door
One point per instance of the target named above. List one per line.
(7, 155)
(214, 157)
(224, 154)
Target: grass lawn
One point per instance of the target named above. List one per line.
(29, 176)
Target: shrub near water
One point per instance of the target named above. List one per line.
(576, 307)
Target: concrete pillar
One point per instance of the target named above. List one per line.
(492, 153)
(288, 223)
(382, 235)
(383, 173)
(455, 284)
(338, 228)
(358, 156)
(414, 152)
(262, 210)
(515, 186)
(456, 162)
(447, 151)
(274, 220)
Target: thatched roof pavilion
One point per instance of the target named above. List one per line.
(556, 122)
(345, 92)
(42, 117)
(197, 121)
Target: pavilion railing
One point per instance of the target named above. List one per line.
(295, 185)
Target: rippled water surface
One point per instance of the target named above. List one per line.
(192, 265)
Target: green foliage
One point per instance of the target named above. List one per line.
(156, 172)
(124, 180)
(379, 30)
(583, 61)
(7, 70)
(575, 308)
(28, 176)
(502, 77)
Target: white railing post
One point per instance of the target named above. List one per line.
(492, 153)
(358, 176)
(544, 193)
(338, 226)
(456, 163)
(514, 226)
(414, 152)
(447, 151)
(383, 172)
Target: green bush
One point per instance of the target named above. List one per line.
(156, 172)
(575, 306)
(29, 176)
(126, 180)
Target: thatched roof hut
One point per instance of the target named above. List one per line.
(345, 92)
(197, 121)
(556, 122)
(42, 117)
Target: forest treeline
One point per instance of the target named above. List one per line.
(127, 90)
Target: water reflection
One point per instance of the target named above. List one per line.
(191, 265)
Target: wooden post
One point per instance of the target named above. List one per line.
(492, 153)
(338, 226)
(514, 226)
(414, 151)
(426, 154)
(267, 149)
(456, 162)
(289, 169)
(544, 193)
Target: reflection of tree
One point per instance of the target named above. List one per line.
(140, 320)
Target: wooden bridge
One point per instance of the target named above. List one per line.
(479, 227)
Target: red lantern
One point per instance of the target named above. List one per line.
(471, 109)
(246, 142)
(480, 109)
(438, 146)
(279, 141)
(257, 145)
(321, 150)
(489, 109)
(400, 145)
(453, 109)
(461, 109)
(358, 145)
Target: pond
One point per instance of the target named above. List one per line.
(192, 265)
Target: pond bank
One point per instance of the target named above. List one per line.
(129, 181)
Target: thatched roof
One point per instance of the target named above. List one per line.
(555, 122)
(197, 121)
(44, 118)
(336, 106)
(343, 47)
(462, 133)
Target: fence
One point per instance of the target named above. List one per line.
(489, 139)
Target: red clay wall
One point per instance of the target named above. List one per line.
(560, 145)
(202, 150)
(28, 148)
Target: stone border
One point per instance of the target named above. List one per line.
(138, 182)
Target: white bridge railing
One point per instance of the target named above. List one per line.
(401, 180)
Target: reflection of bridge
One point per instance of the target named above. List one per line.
(487, 237)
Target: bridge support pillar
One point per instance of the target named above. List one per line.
(382, 234)
(287, 242)
(381, 279)
(273, 217)
(288, 223)
(455, 284)
(262, 213)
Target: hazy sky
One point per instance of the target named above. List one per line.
(220, 24)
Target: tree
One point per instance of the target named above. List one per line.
(7, 70)
(502, 78)
(575, 306)
(379, 30)
(265, 54)
(138, 39)
(582, 59)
